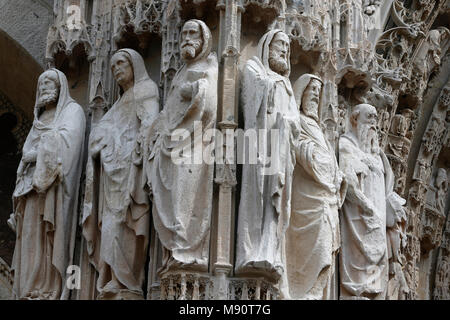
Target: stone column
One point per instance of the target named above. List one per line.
(229, 47)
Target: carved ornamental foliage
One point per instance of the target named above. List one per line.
(442, 280)
(398, 145)
(252, 289)
(428, 207)
(266, 10)
(191, 286)
(400, 76)
(70, 28)
(186, 286)
(139, 17)
(434, 215)
(308, 26)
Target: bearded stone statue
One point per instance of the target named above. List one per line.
(181, 187)
(372, 211)
(46, 193)
(269, 110)
(318, 191)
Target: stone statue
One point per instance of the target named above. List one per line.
(318, 190)
(116, 217)
(441, 185)
(46, 193)
(269, 108)
(182, 191)
(371, 213)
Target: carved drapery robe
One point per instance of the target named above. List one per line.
(182, 192)
(116, 217)
(45, 201)
(367, 241)
(268, 103)
(313, 236)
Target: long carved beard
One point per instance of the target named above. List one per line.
(190, 50)
(310, 109)
(277, 64)
(368, 139)
(45, 99)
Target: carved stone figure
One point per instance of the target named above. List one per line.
(269, 108)
(441, 185)
(442, 290)
(318, 190)
(45, 197)
(182, 190)
(372, 213)
(116, 208)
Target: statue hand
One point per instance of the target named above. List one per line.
(20, 169)
(341, 188)
(30, 156)
(368, 210)
(137, 152)
(96, 145)
(12, 222)
(186, 91)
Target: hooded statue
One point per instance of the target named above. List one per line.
(116, 212)
(372, 217)
(269, 109)
(181, 188)
(46, 193)
(318, 190)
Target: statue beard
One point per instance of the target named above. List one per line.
(190, 49)
(310, 109)
(278, 64)
(368, 139)
(47, 98)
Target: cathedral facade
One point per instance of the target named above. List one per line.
(227, 229)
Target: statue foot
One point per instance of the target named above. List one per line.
(261, 269)
(120, 294)
(174, 265)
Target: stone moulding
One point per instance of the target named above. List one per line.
(63, 39)
(186, 286)
(196, 286)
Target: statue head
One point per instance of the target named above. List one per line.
(274, 52)
(48, 89)
(363, 121)
(122, 70)
(191, 40)
(307, 91)
(279, 53)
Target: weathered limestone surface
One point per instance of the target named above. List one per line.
(318, 191)
(207, 72)
(46, 193)
(182, 188)
(269, 106)
(116, 219)
(372, 211)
